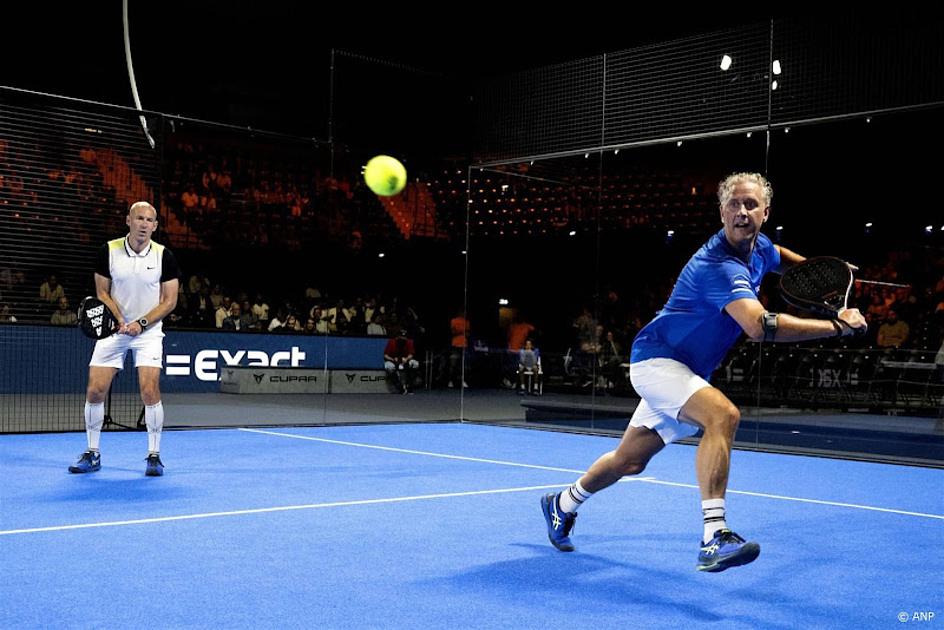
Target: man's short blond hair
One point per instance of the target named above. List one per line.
(726, 187)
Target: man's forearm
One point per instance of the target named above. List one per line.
(159, 312)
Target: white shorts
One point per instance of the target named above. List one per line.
(110, 352)
(664, 385)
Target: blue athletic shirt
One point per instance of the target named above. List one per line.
(693, 327)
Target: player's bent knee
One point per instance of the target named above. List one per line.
(628, 466)
(724, 419)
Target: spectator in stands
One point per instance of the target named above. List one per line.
(310, 327)
(612, 311)
(216, 296)
(233, 321)
(6, 314)
(529, 365)
(459, 329)
(63, 315)
(518, 331)
(225, 182)
(611, 356)
(399, 362)
(201, 309)
(893, 333)
(197, 282)
(261, 309)
(584, 326)
(376, 328)
(370, 308)
(248, 320)
(277, 322)
(223, 311)
(50, 291)
(291, 325)
(189, 200)
(320, 317)
(355, 317)
(340, 315)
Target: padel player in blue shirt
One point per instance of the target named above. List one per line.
(713, 302)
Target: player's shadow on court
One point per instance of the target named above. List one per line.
(551, 578)
(119, 490)
(548, 576)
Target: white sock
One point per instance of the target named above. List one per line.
(573, 497)
(154, 419)
(713, 511)
(94, 419)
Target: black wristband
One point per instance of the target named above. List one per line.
(837, 324)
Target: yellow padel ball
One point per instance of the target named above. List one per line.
(385, 175)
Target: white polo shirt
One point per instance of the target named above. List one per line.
(136, 277)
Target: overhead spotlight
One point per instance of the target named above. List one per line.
(779, 228)
(773, 86)
(381, 255)
(586, 155)
(776, 67)
(869, 224)
(749, 134)
(572, 233)
(786, 130)
(869, 119)
(616, 152)
(725, 62)
(532, 162)
(929, 228)
(679, 143)
(502, 302)
(464, 252)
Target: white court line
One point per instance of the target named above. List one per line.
(802, 500)
(643, 479)
(412, 452)
(283, 508)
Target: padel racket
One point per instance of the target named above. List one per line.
(95, 320)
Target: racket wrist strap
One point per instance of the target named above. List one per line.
(840, 326)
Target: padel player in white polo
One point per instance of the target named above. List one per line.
(137, 279)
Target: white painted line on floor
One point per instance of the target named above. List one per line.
(579, 472)
(283, 508)
(413, 452)
(804, 500)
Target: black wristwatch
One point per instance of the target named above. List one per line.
(143, 322)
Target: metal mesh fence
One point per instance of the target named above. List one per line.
(789, 71)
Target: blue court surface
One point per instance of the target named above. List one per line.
(439, 526)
